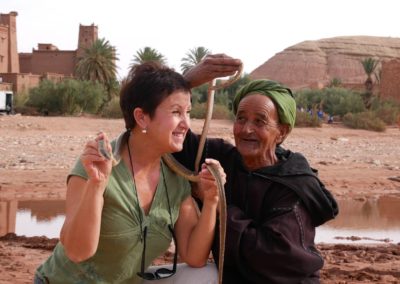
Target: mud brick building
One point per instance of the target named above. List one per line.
(21, 71)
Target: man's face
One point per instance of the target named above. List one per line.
(256, 128)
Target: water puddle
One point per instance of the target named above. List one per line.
(32, 217)
(368, 221)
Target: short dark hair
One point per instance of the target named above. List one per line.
(146, 86)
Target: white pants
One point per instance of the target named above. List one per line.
(187, 275)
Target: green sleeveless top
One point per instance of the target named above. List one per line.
(118, 256)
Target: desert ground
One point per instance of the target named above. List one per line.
(36, 154)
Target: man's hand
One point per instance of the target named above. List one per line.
(211, 67)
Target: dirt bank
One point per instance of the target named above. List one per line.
(37, 153)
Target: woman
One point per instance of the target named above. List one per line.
(274, 198)
(118, 219)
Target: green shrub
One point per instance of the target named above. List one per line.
(91, 96)
(67, 97)
(308, 98)
(43, 97)
(198, 110)
(334, 101)
(20, 99)
(112, 109)
(223, 96)
(219, 111)
(364, 120)
(199, 94)
(20, 106)
(339, 101)
(387, 110)
(304, 119)
(335, 82)
(232, 89)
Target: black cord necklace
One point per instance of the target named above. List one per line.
(137, 196)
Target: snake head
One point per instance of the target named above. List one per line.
(225, 83)
(105, 153)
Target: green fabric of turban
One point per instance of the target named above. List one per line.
(279, 94)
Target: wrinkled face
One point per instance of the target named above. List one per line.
(256, 128)
(171, 122)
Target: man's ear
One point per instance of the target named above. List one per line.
(284, 130)
(140, 118)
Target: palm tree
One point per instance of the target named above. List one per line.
(335, 82)
(147, 54)
(98, 65)
(193, 57)
(369, 65)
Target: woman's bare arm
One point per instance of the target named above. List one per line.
(84, 204)
(195, 234)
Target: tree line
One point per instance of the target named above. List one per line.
(95, 90)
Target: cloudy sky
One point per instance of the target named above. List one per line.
(252, 30)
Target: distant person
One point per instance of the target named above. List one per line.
(275, 200)
(119, 219)
(320, 114)
(8, 108)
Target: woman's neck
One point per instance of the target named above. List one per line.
(145, 169)
(143, 156)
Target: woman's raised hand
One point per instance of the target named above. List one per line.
(96, 165)
(207, 187)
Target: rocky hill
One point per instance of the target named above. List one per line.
(315, 63)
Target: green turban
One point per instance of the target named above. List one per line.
(279, 94)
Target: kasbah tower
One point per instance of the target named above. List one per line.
(9, 60)
(21, 71)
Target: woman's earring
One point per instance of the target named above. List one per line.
(144, 130)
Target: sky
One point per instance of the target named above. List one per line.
(252, 30)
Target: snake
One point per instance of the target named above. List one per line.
(193, 176)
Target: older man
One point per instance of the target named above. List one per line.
(275, 199)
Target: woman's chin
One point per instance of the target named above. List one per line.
(176, 148)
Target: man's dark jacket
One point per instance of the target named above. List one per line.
(272, 215)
